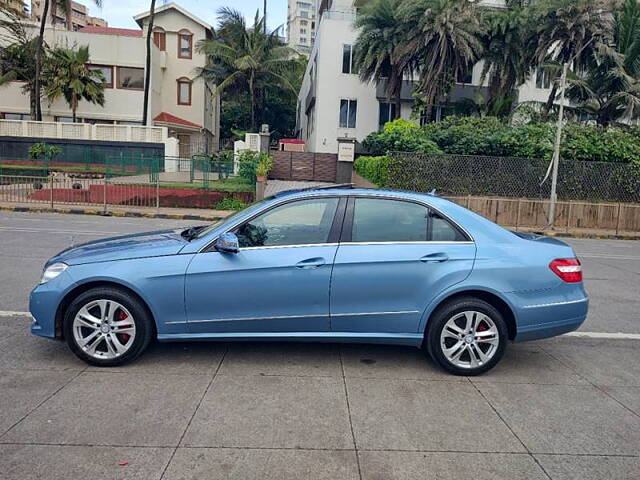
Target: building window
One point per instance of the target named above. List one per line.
(130, 78)
(107, 73)
(347, 59)
(15, 116)
(184, 91)
(160, 39)
(303, 40)
(543, 79)
(465, 76)
(304, 14)
(348, 113)
(66, 120)
(303, 23)
(303, 31)
(185, 44)
(387, 113)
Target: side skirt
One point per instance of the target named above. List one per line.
(409, 339)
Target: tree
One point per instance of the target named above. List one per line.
(379, 52)
(608, 88)
(67, 74)
(242, 57)
(568, 31)
(66, 6)
(443, 44)
(507, 57)
(17, 56)
(147, 70)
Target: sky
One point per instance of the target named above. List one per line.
(119, 13)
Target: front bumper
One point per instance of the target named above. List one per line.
(43, 304)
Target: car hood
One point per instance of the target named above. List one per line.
(138, 245)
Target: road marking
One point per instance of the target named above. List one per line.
(603, 335)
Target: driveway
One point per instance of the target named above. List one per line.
(565, 408)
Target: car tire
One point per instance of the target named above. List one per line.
(107, 326)
(466, 336)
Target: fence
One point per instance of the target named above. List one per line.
(319, 167)
(514, 177)
(199, 182)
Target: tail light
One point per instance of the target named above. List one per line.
(568, 269)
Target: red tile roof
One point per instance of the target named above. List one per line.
(125, 32)
(165, 117)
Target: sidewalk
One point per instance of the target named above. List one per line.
(122, 211)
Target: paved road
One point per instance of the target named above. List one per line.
(566, 408)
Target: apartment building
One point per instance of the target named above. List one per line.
(79, 16)
(335, 107)
(179, 99)
(301, 25)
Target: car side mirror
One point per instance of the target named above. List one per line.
(227, 243)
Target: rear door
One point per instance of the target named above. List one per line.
(394, 257)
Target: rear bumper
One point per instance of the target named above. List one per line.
(549, 329)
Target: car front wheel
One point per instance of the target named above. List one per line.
(467, 336)
(107, 327)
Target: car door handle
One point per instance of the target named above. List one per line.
(311, 263)
(435, 257)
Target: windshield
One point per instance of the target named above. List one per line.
(209, 228)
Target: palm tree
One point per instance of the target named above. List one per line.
(147, 70)
(568, 31)
(379, 54)
(507, 58)
(444, 44)
(68, 74)
(66, 6)
(245, 57)
(608, 89)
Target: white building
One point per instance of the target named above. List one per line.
(179, 99)
(334, 104)
(301, 25)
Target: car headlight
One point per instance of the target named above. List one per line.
(52, 271)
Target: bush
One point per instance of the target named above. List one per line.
(399, 136)
(374, 169)
(248, 163)
(230, 203)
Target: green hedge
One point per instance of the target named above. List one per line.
(374, 169)
(490, 136)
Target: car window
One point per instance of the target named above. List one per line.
(297, 223)
(443, 231)
(381, 220)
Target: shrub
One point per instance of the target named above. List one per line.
(230, 203)
(374, 169)
(400, 136)
(248, 163)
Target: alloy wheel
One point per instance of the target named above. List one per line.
(104, 329)
(469, 339)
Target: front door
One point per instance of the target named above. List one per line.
(278, 282)
(394, 258)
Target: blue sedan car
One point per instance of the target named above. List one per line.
(336, 264)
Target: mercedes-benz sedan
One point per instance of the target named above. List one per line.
(338, 264)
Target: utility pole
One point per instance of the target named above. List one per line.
(264, 17)
(556, 148)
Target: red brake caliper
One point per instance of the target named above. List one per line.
(124, 337)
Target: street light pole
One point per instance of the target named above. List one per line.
(556, 148)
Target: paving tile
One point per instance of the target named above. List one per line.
(264, 464)
(628, 396)
(175, 358)
(25, 351)
(610, 362)
(22, 391)
(292, 359)
(445, 466)
(389, 361)
(566, 467)
(274, 412)
(55, 462)
(425, 415)
(115, 409)
(565, 419)
(528, 363)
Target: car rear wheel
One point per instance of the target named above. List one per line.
(467, 336)
(107, 327)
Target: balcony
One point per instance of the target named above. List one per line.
(457, 93)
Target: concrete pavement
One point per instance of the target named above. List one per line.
(565, 408)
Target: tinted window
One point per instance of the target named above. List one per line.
(443, 231)
(297, 223)
(378, 220)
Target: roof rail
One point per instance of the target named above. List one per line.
(319, 187)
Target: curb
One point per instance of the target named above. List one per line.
(126, 213)
(598, 236)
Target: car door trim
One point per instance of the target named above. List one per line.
(360, 314)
